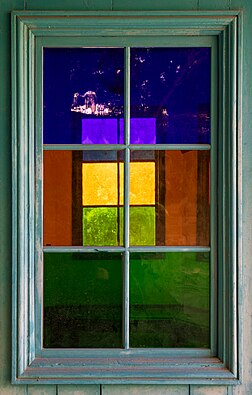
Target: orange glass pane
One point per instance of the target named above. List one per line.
(57, 202)
(183, 205)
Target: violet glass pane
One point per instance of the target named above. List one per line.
(172, 86)
(81, 84)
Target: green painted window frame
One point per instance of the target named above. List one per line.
(31, 31)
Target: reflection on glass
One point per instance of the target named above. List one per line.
(174, 187)
(172, 87)
(82, 300)
(83, 194)
(169, 299)
(83, 89)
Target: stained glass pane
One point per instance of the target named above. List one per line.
(176, 185)
(83, 95)
(82, 300)
(170, 95)
(103, 226)
(142, 225)
(74, 180)
(169, 300)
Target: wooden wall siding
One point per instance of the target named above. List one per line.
(5, 197)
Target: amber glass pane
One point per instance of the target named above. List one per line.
(100, 183)
(82, 300)
(169, 299)
(74, 181)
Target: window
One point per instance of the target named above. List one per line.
(125, 197)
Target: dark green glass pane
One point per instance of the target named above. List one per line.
(142, 226)
(102, 226)
(82, 300)
(169, 299)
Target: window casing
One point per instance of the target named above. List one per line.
(31, 361)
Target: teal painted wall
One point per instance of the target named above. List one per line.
(5, 197)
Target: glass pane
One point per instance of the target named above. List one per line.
(170, 95)
(82, 300)
(83, 95)
(83, 191)
(176, 186)
(142, 225)
(102, 226)
(169, 299)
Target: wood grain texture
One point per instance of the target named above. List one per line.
(78, 390)
(145, 390)
(214, 5)
(246, 294)
(41, 390)
(83, 5)
(152, 5)
(5, 192)
(5, 198)
(204, 390)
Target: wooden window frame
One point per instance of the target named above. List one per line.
(33, 364)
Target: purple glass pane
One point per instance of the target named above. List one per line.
(101, 131)
(111, 131)
(172, 86)
(143, 131)
(80, 83)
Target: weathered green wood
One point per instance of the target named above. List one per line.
(145, 390)
(214, 5)
(5, 387)
(159, 366)
(246, 291)
(203, 390)
(150, 5)
(84, 5)
(5, 201)
(41, 390)
(78, 390)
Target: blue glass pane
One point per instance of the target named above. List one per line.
(82, 86)
(172, 86)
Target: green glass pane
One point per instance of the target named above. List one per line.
(169, 299)
(102, 226)
(82, 300)
(142, 226)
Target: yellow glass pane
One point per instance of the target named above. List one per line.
(99, 184)
(142, 183)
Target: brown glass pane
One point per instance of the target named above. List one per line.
(169, 299)
(183, 198)
(82, 300)
(175, 184)
(82, 191)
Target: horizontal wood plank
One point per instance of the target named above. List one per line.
(214, 5)
(78, 390)
(205, 390)
(152, 5)
(84, 5)
(41, 390)
(145, 390)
